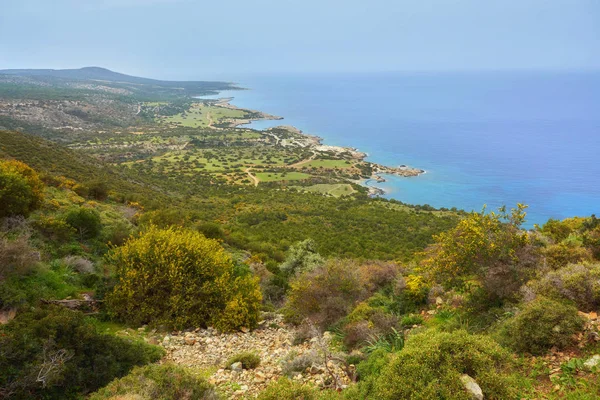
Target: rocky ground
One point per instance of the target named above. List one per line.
(310, 361)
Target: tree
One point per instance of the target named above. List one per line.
(86, 221)
(181, 279)
(21, 190)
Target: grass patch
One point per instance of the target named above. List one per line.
(281, 176)
(328, 164)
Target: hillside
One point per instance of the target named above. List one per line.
(152, 248)
(103, 74)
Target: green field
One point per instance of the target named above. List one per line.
(328, 164)
(201, 116)
(281, 176)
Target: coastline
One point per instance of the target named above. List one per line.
(315, 144)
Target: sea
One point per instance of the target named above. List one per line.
(485, 139)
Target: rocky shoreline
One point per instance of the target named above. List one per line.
(315, 143)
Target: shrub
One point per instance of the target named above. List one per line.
(366, 323)
(489, 250)
(301, 257)
(377, 274)
(117, 234)
(367, 373)
(293, 363)
(249, 360)
(86, 221)
(211, 230)
(79, 264)
(591, 240)
(541, 325)
(325, 294)
(430, 365)
(559, 255)
(243, 307)
(57, 353)
(97, 189)
(17, 256)
(55, 229)
(357, 333)
(579, 283)
(21, 189)
(411, 319)
(179, 278)
(157, 382)
(285, 389)
(559, 230)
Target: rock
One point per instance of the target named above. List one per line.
(592, 362)
(244, 329)
(472, 387)
(190, 341)
(315, 370)
(439, 301)
(7, 315)
(237, 367)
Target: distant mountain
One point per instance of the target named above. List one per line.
(103, 74)
(143, 88)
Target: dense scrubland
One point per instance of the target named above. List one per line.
(109, 239)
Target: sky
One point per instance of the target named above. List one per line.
(221, 39)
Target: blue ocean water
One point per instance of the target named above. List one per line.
(489, 138)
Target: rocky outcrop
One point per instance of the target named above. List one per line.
(272, 341)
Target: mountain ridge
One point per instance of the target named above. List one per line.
(97, 73)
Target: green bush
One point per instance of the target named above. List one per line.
(86, 221)
(56, 353)
(97, 189)
(249, 360)
(367, 372)
(541, 325)
(411, 319)
(157, 382)
(579, 283)
(181, 279)
(366, 324)
(431, 363)
(562, 254)
(285, 389)
(21, 190)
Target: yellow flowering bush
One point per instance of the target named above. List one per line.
(484, 250)
(21, 189)
(179, 278)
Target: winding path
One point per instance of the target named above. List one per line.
(305, 161)
(254, 178)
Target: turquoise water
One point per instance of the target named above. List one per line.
(483, 138)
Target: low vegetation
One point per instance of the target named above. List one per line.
(172, 219)
(249, 360)
(157, 382)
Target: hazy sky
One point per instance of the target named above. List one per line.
(200, 39)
